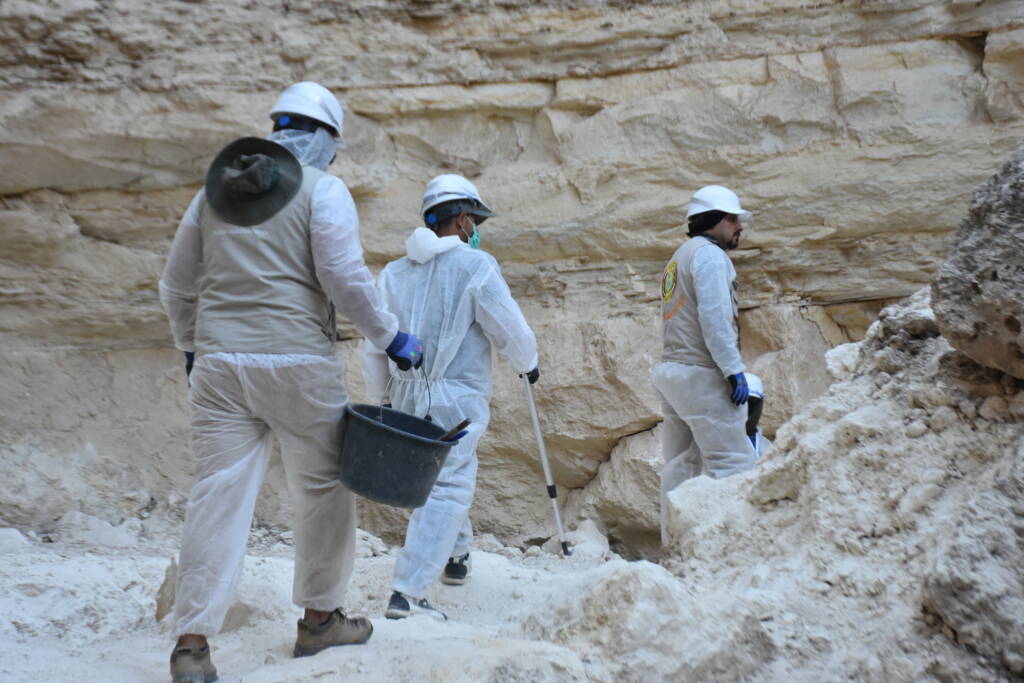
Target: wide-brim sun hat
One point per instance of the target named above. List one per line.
(250, 180)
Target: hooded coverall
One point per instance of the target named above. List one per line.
(703, 431)
(456, 301)
(256, 306)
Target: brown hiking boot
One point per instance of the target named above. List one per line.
(192, 665)
(337, 630)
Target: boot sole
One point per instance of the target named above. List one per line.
(193, 678)
(453, 581)
(307, 652)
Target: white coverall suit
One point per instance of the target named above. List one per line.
(703, 431)
(455, 300)
(240, 398)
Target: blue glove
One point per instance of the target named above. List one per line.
(533, 375)
(406, 350)
(190, 358)
(740, 390)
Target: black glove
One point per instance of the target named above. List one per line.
(190, 358)
(533, 375)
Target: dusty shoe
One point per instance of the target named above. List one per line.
(337, 630)
(192, 665)
(401, 606)
(456, 571)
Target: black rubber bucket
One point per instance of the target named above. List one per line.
(394, 462)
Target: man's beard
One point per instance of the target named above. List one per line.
(733, 243)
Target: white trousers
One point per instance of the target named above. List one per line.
(441, 528)
(236, 410)
(703, 431)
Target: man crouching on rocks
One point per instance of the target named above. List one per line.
(264, 251)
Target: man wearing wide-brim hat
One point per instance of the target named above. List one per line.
(264, 253)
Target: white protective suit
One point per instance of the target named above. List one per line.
(239, 400)
(703, 432)
(455, 300)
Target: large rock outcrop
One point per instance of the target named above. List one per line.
(977, 291)
(881, 538)
(853, 130)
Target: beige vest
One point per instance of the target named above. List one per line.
(259, 292)
(682, 338)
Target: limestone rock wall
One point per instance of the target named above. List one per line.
(855, 131)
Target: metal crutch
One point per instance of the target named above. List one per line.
(552, 492)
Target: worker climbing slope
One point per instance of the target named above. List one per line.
(701, 378)
(263, 253)
(453, 294)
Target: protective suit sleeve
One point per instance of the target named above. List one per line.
(375, 360)
(503, 322)
(179, 283)
(338, 259)
(714, 309)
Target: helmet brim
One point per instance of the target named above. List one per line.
(452, 207)
(744, 216)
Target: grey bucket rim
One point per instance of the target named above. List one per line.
(350, 410)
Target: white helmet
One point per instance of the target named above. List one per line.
(450, 187)
(311, 100)
(715, 198)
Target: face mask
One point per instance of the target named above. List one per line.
(316, 149)
(474, 239)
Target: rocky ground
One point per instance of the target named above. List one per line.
(79, 605)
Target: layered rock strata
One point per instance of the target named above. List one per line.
(854, 131)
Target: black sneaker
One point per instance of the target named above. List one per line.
(192, 665)
(456, 571)
(401, 606)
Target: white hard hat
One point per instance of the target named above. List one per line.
(311, 100)
(715, 198)
(450, 187)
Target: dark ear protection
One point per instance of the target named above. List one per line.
(299, 122)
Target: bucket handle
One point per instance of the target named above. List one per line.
(387, 393)
(430, 400)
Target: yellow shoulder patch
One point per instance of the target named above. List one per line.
(669, 280)
(668, 283)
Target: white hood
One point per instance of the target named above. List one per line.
(424, 245)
